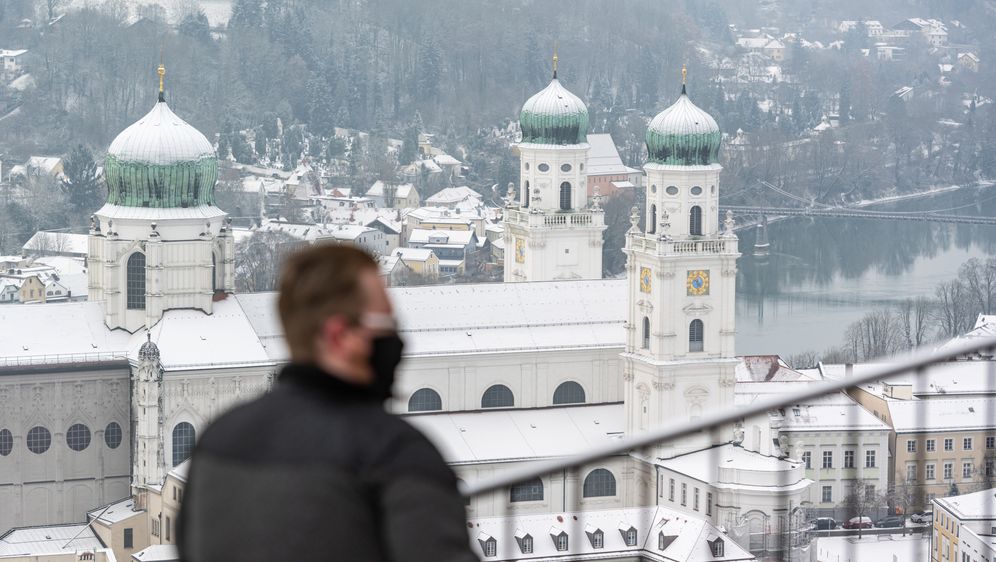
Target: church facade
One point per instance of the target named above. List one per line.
(554, 360)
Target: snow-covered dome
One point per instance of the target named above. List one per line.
(161, 161)
(554, 116)
(683, 134)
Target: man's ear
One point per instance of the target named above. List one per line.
(331, 332)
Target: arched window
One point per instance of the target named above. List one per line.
(527, 491)
(498, 396)
(39, 440)
(112, 435)
(565, 196)
(695, 221)
(599, 483)
(183, 442)
(652, 220)
(136, 281)
(6, 442)
(646, 333)
(425, 400)
(525, 196)
(696, 335)
(78, 437)
(568, 392)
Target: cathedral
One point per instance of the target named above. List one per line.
(104, 399)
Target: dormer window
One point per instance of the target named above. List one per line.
(525, 541)
(559, 537)
(717, 547)
(628, 533)
(595, 536)
(488, 545)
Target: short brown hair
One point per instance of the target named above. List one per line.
(316, 283)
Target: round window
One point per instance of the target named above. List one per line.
(671, 190)
(696, 190)
(112, 435)
(653, 189)
(543, 167)
(6, 442)
(39, 440)
(565, 168)
(78, 437)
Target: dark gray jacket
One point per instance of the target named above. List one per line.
(317, 470)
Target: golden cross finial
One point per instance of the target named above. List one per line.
(555, 59)
(684, 75)
(161, 71)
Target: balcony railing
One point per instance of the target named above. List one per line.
(678, 247)
(554, 219)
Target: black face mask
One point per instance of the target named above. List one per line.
(384, 359)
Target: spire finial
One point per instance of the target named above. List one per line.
(555, 59)
(161, 71)
(684, 78)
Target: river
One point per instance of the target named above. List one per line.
(822, 274)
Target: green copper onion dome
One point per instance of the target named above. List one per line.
(683, 135)
(554, 116)
(161, 161)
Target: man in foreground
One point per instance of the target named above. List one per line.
(317, 469)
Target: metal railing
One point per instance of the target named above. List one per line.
(914, 362)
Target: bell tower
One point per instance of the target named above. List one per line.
(552, 231)
(680, 357)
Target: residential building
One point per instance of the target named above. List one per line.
(451, 197)
(969, 61)
(964, 527)
(75, 542)
(11, 62)
(606, 170)
(423, 263)
(456, 249)
(50, 243)
(401, 196)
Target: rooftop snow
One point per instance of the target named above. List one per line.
(603, 158)
(942, 414)
(55, 539)
(57, 242)
(517, 434)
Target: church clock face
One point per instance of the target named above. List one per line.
(644, 279)
(520, 250)
(697, 283)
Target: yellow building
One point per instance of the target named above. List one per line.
(964, 527)
(421, 262)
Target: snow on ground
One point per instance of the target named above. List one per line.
(880, 547)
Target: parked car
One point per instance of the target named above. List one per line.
(922, 518)
(823, 524)
(891, 521)
(858, 523)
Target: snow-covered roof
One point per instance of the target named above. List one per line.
(180, 471)
(520, 434)
(114, 513)
(441, 237)
(446, 160)
(158, 553)
(450, 195)
(46, 164)
(954, 378)
(161, 138)
(941, 414)
(413, 254)
(46, 332)
(687, 536)
(57, 242)
(12, 52)
(495, 317)
(877, 547)
(603, 157)
(401, 190)
(442, 214)
(53, 539)
(348, 231)
(977, 505)
(707, 465)
(828, 413)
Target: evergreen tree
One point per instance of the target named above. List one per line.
(196, 26)
(844, 102)
(246, 14)
(409, 148)
(80, 181)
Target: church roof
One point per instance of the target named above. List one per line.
(554, 116)
(683, 134)
(534, 433)
(160, 161)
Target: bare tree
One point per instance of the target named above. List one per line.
(875, 335)
(980, 280)
(913, 318)
(259, 258)
(860, 501)
(952, 313)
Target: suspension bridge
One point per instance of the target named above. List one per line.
(845, 212)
